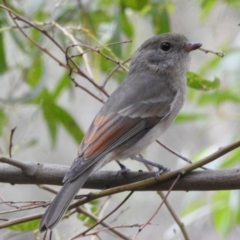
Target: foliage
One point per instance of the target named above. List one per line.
(102, 23)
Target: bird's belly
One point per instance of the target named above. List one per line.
(125, 151)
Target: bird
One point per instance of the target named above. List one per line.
(136, 114)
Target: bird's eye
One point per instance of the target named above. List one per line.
(165, 46)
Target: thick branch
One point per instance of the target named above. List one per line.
(194, 181)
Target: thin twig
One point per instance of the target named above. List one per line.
(90, 215)
(219, 54)
(11, 141)
(73, 39)
(177, 154)
(159, 207)
(18, 17)
(20, 220)
(97, 50)
(113, 71)
(25, 207)
(174, 215)
(100, 221)
(170, 209)
(23, 166)
(49, 189)
(83, 88)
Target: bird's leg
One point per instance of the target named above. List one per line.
(160, 167)
(123, 168)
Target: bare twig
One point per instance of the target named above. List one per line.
(114, 70)
(219, 54)
(159, 207)
(174, 215)
(171, 211)
(15, 17)
(20, 220)
(100, 221)
(32, 205)
(97, 50)
(47, 188)
(83, 88)
(29, 169)
(11, 141)
(177, 154)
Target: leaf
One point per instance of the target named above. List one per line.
(50, 118)
(219, 97)
(70, 125)
(41, 15)
(19, 40)
(223, 215)
(35, 35)
(207, 7)
(117, 48)
(231, 160)
(26, 226)
(3, 63)
(185, 117)
(193, 206)
(35, 72)
(134, 4)
(160, 19)
(91, 207)
(126, 25)
(2, 121)
(100, 16)
(63, 84)
(197, 82)
(106, 66)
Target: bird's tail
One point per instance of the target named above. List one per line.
(60, 204)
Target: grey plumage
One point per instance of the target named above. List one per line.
(134, 116)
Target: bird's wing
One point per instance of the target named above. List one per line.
(109, 130)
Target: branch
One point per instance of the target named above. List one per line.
(38, 173)
(53, 174)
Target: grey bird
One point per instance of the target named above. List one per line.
(135, 115)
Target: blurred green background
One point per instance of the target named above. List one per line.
(51, 114)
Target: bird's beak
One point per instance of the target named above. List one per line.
(192, 46)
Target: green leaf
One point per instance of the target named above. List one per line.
(106, 66)
(3, 63)
(126, 25)
(160, 19)
(41, 15)
(193, 206)
(207, 7)
(92, 207)
(63, 84)
(186, 117)
(134, 4)
(232, 159)
(50, 118)
(99, 17)
(35, 72)
(70, 125)
(197, 82)
(117, 48)
(19, 40)
(26, 226)
(223, 215)
(35, 35)
(2, 121)
(219, 97)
